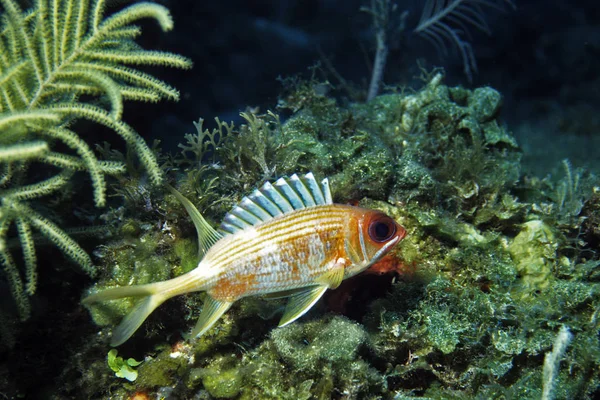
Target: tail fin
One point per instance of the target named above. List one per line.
(154, 296)
(121, 292)
(134, 319)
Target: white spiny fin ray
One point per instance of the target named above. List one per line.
(228, 229)
(207, 236)
(244, 214)
(273, 194)
(326, 191)
(255, 209)
(260, 199)
(211, 312)
(302, 190)
(234, 220)
(289, 193)
(314, 188)
(300, 303)
(272, 200)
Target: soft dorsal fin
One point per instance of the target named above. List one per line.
(285, 195)
(207, 235)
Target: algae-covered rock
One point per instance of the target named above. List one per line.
(485, 103)
(534, 253)
(187, 251)
(412, 104)
(311, 345)
(323, 355)
(456, 155)
(442, 164)
(221, 382)
(127, 262)
(161, 370)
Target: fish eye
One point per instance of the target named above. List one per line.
(382, 229)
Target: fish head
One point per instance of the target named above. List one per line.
(372, 235)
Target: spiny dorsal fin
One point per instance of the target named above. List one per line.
(207, 235)
(285, 195)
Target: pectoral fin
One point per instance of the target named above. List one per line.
(334, 277)
(211, 312)
(284, 294)
(300, 303)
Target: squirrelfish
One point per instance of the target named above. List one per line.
(286, 239)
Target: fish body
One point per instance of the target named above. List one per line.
(287, 239)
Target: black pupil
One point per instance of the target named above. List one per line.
(381, 230)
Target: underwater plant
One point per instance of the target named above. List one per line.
(444, 23)
(121, 367)
(448, 21)
(61, 62)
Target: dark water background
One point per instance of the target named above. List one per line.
(543, 57)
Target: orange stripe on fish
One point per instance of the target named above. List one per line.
(286, 239)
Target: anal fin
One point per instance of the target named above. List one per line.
(211, 312)
(300, 303)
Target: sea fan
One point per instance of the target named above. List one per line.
(446, 22)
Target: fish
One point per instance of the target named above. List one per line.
(287, 239)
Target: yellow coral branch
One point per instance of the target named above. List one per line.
(23, 151)
(58, 237)
(26, 239)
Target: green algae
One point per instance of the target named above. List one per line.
(131, 261)
(534, 252)
(310, 346)
(161, 370)
(187, 251)
(121, 367)
(490, 270)
(324, 355)
(222, 384)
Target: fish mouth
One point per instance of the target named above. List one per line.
(386, 248)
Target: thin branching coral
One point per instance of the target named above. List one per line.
(51, 56)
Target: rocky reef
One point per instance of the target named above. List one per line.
(494, 266)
